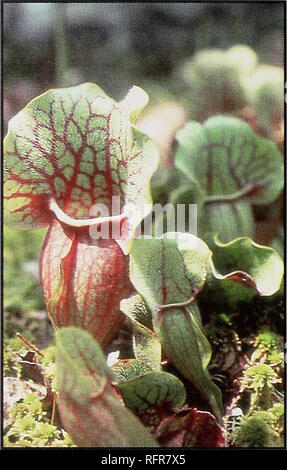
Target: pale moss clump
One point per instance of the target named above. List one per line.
(262, 429)
(267, 339)
(13, 348)
(259, 376)
(267, 342)
(29, 423)
(29, 426)
(262, 424)
(253, 432)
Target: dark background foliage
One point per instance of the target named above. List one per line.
(117, 45)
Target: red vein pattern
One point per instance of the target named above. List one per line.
(79, 147)
(75, 145)
(224, 155)
(84, 281)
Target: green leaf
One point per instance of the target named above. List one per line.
(164, 182)
(129, 369)
(147, 392)
(183, 196)
(90, 410)
(185, 344)
(81, 368)
(169, 269)
(234, 168)
(146, 344)
(168, 273)
(238, 220)
(77, 147)
(253, 269)
(152, 389)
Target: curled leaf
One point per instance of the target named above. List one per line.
(72, 148)
(90, 410)
(151, 395)
(255, 266)
(169, 269)
(129, 369)
(169, 272)
(234, 168)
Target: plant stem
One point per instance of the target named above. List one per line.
(61, 50)
(30, 344)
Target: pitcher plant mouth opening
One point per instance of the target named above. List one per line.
(63, 217)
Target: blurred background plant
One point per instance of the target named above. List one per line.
(116, 45)
(193, 59)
